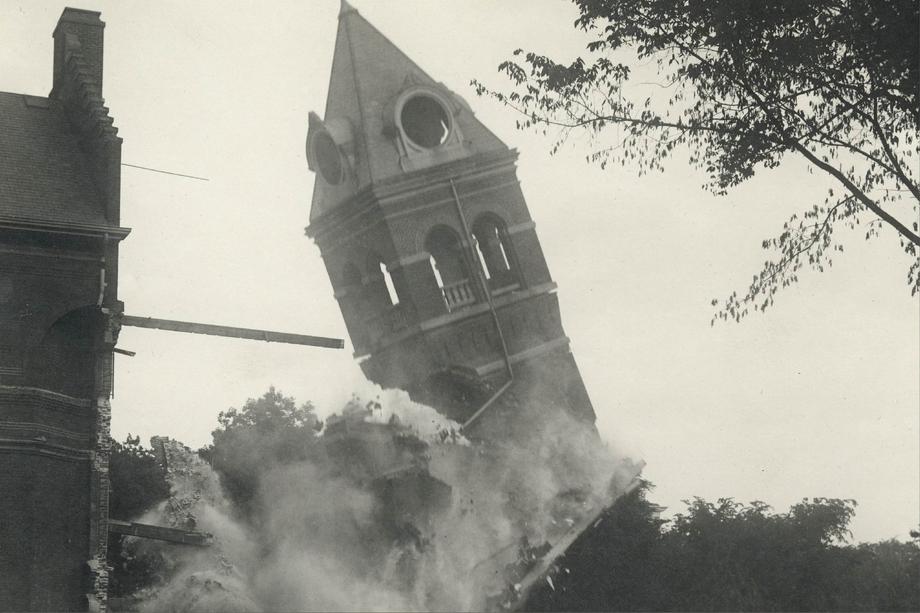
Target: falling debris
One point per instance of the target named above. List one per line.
(385, 518)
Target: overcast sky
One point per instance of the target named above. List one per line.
(820, 396)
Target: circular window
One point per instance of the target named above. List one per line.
(425, 121)
(328, 158)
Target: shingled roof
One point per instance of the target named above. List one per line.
(60, 156)
(44, 176)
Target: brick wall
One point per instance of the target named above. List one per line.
(45, 442)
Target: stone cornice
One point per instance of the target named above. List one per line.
(394, 190)
(63, 227)
(54, 399)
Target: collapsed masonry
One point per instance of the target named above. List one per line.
(448, 523)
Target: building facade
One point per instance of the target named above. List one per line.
(60, 159)
(429, 245)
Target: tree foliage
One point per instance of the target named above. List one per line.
(137, 481)
(137, 484)
(743, 85)
(727, 556)
(267, 431)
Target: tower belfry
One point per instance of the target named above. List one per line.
(432, 253)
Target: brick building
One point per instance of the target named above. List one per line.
(59, 233)
(432, 253)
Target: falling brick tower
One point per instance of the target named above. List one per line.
(432, 253)
(59, 233)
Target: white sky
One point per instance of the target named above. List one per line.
(818, 397)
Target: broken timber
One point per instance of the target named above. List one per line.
(544, 568)
(213, 330)
(160, 533)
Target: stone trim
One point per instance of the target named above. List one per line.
(464, 313)
(530, 352)
(29, 427)
(415, 258)
(113, 232)
(421, 182)
(521, 227)
(55, 400)
(33, 447)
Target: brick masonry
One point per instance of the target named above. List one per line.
(402, 205)
(59, 234)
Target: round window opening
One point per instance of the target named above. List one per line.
(425, 121)
(328, 158)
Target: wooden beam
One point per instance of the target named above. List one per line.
(160, 533)
(249, 333)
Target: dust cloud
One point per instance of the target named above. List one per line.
(399, 512)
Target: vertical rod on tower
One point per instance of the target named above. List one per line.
(480, 275)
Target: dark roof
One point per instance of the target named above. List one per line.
(44, 176)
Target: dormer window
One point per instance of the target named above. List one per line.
(422, 120)
(425, 121)
(328, 158)
(330, 150)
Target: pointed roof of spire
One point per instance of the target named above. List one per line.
(345, 8)
(369, 73)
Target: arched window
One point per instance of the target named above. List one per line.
(425, 121)
(65, 360)
(494, 250)
(388, 281)
(381, 292)
(449, 267)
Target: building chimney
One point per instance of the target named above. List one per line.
(79, 31)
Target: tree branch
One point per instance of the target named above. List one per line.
(860, 195)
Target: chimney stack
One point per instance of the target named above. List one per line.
(79, 31)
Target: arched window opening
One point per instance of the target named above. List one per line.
(425, 121)
(434, 269)
(65, 360)
(381, 293)
(495, 255)
(449, 268)
(388, 281)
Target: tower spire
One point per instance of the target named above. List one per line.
(346, 8)
(379, 100)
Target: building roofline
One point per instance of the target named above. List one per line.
(51, 227)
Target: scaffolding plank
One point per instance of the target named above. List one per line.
(160, 533)
(232, 332)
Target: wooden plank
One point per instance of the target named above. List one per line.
(160, 533)
(229, 331)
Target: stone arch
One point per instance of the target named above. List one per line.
(64, 361)
(495, 252)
